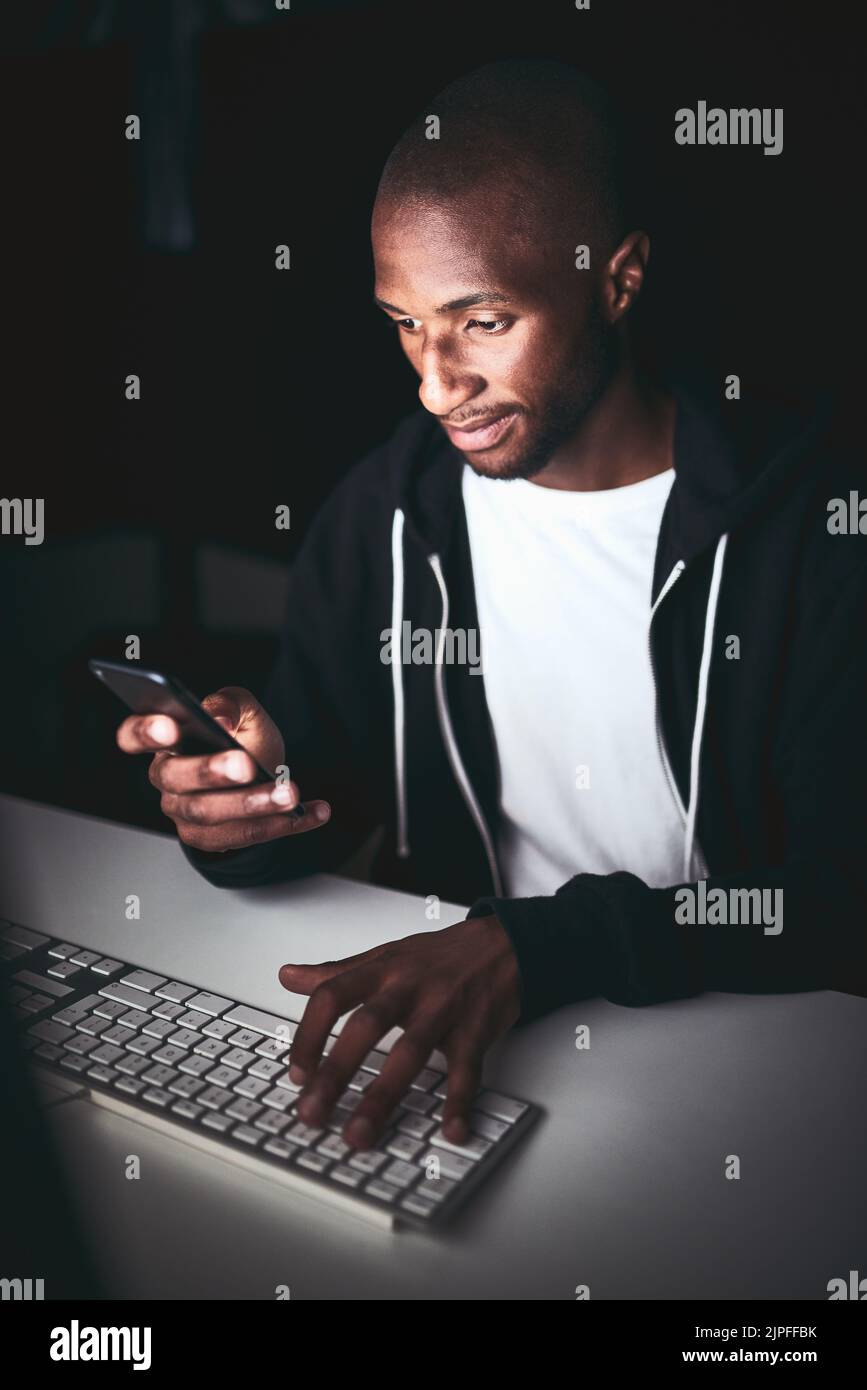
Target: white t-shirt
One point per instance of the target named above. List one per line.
(563, 586)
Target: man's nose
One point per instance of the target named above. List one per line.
(446, 385)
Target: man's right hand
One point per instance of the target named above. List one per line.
(211, 799)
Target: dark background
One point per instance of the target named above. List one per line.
(262, 387)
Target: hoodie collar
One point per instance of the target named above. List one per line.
(730, 459)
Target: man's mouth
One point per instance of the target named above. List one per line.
(472, 437)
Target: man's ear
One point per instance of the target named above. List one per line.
(624, 274)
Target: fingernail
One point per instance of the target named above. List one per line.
(161, 729)
(231, 765)
(360, 1132)
(322, 811)
(297, 1074)
(282, 795)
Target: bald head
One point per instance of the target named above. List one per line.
(479, 242)
(541, 138)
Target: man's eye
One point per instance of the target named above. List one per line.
(407, 325)
(489, 325)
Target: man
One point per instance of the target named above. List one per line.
(671, 638)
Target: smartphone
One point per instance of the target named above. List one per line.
(152, 692)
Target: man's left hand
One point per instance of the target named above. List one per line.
(456, 990)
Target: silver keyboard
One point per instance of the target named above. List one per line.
(214, 1072)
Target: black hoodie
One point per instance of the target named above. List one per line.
(776, 732)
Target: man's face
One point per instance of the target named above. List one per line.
(508, 337)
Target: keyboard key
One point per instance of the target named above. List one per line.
(333, 1147)
(107, 1053)
(143, 1046)
(500, 1107)
(193, 1018)
(81, 1044)
(160, 1075)
(269, 1024)
(400, 1173)
(215, 1097)
(63, 970)
(264, 1069)
(219, 1028)
(158, 1098)
(168, 1011)
(169, 1054)
(43, 984)
(62, 949)
(187, 1110)
(304, 1135)
(416, 1126)
(135, 1019)
(436, 1189)
(237, 1058)
(35, 1003)
(122, 994)
(211, 1004)
(347, 1177)
(381, 1190)
(279, 1148)
(186, 1038)
(187, 1086)
(221, 1123)
(104, 1074)
(317, 1163)
(74, 1013)
(250, 1087)
(210, 1047)
(110, 1009)
(270, 1120)
(50, 1032)
(368, 1161)
(48, 1052)
(93, 1025)
(73, 1063)
(86, 958)
(486, 1127)
(418, 1205)
(243, 1110)
(361, 1080)
(117, 1035)
(374, 1061)
(450, 1165)
(272, 1049)
(22, 936)
(419, 1102)
(159, 1028)
(279, 1098)
(245, 1037)
(427, 1079)
(131, 1065)
(128, 1085)
(475, 1147)
(195, 1066)
(144, 980)
(107, 966)
(403, 1146)
(175, 993)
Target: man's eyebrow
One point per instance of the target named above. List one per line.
(466, 301)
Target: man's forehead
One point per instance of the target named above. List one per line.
(437, 256)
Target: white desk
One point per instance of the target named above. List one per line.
(620, 1185)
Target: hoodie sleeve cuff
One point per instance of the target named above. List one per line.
(563, 949)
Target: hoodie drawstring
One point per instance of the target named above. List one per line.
(701, 709)
(397, 680)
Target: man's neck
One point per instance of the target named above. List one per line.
(626, 437)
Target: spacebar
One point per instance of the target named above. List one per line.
(275, 1027)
